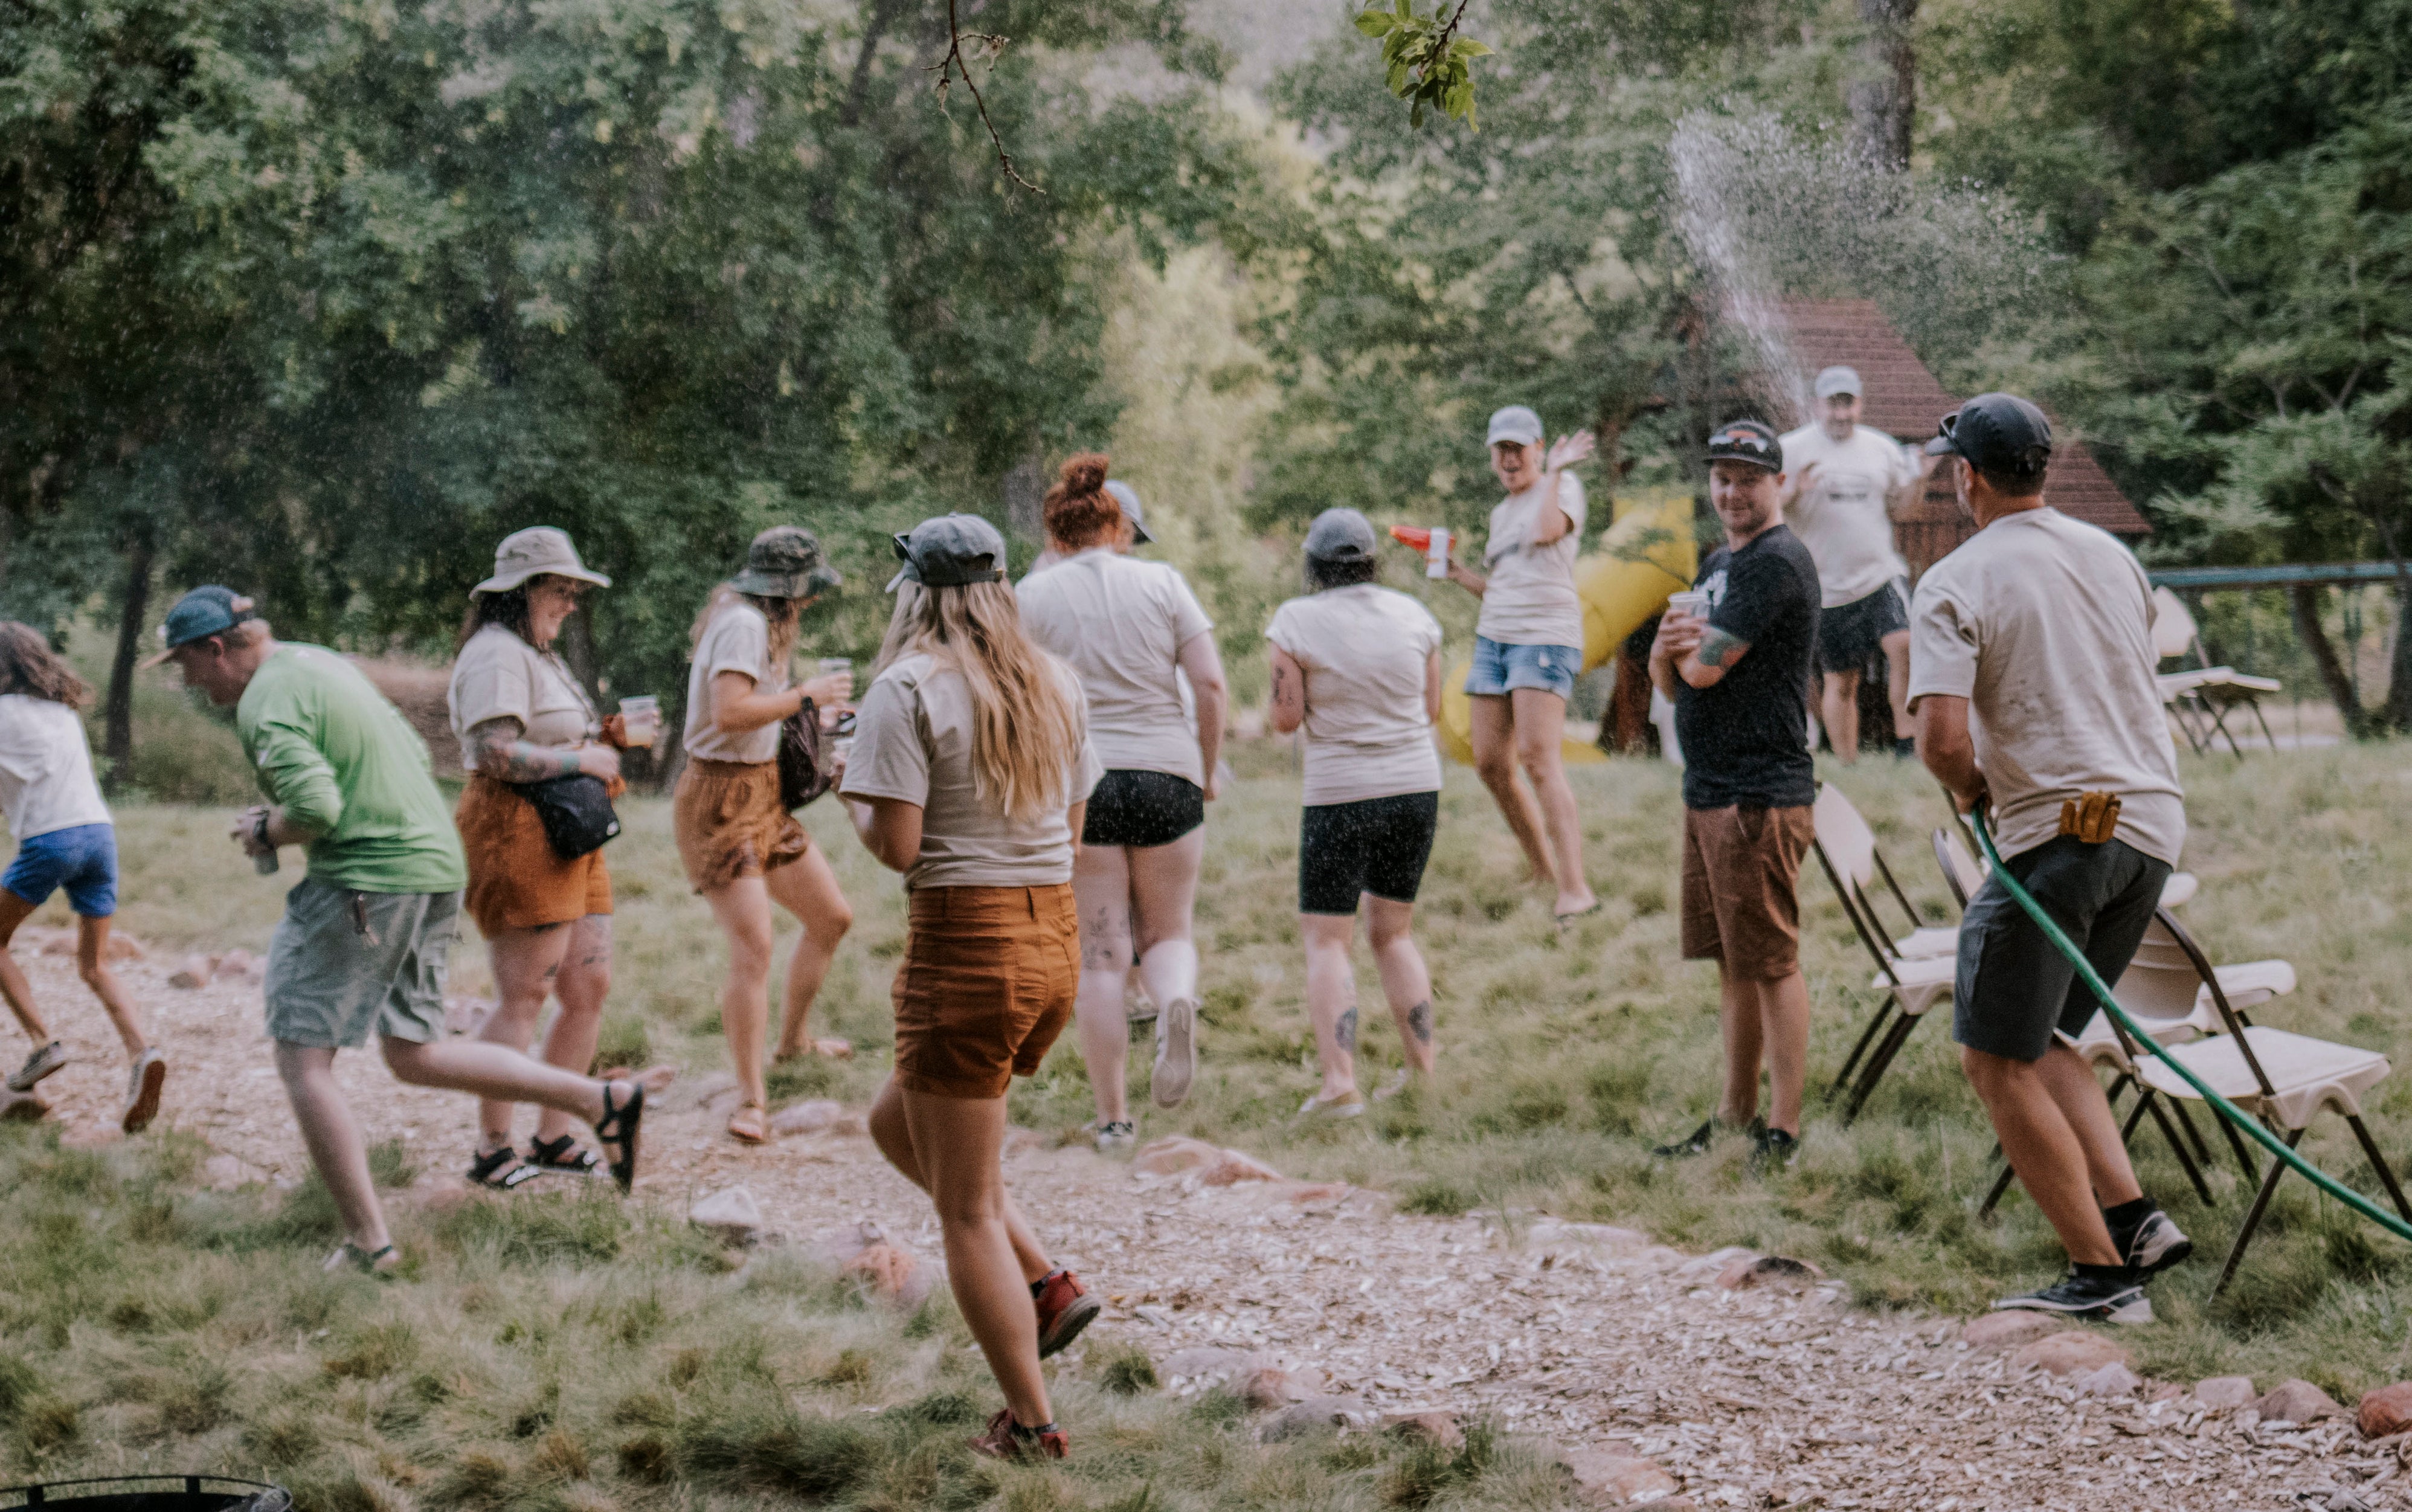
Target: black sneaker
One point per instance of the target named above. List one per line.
(1696, 1144)
(1773, 1149)
(2118, 1297)
(2153, 1246)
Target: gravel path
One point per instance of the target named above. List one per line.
(1776, 1395)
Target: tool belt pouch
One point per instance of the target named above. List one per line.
(2091, 818)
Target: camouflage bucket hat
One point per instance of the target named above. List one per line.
(785, 562)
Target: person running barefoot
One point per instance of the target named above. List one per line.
(743, 851)
(523, 718)
(1528, 647)
(366, 935)
(1131, 629)
(970, 770)
(1359, 666)
(65, 838)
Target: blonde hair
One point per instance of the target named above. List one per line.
(782, 614)
(904, 626)
(1025, 727)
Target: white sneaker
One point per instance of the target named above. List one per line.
(1347, 1105)
(1176, 1051)
(142, 1086)
(1110, 1138)
(1397, 1084)
(45, 1060)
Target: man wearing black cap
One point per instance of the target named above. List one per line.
(1733, 654)
(2031, 681)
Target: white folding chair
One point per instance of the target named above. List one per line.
(2200, 697)
(1914, 970)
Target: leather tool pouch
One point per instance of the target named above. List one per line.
(2091, 818)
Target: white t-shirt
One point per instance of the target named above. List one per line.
(46, 781)
(1841, 516)
(913, 741)
(1530, 599)
(500, 676)
(2045, 625)
(738, 640)
(1121, 622)
(1365, 650)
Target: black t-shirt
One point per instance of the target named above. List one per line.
(1747, 738)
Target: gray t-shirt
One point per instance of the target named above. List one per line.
(2045, 625)
(1530, 598)
(1120, 622)
(1365, 650)
(913, 741)
(738, 640)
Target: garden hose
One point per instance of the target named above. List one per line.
(2226, 1110)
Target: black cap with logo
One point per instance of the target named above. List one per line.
(1998, 434)
(1751, 441)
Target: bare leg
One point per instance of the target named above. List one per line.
(1332, 997)
(1783, 1024)
(2079, 1095)
(1840, 705)
(584, 982)
(807, 889)
(1101, 891)
(1745, 1035)
(504, 1075)
(1405, 981)
(333, 1136)
(13, 986)
(1163, 900)
(956, 1141)
(890, 1133)
(1494, 760)
(92, 964)
(744, 909)
(2044, 1149)
(526, 963)
(1540, 734)
(1896, 650)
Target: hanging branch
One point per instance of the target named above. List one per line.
(989, 47)
(1425, 60)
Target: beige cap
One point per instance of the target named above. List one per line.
(532, 552)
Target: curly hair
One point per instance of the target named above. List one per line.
(30, 667)
(1079, 513)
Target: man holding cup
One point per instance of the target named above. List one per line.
(1733, 654)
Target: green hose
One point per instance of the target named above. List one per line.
(2227, 1109)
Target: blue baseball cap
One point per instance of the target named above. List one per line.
(205, 611)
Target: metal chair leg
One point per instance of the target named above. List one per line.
(1867, 1036)
(2253, 1217)
(2185, 1156)
(1876, 1066)
(1994, 1197)
(2370, 1148)
(2236, 1147)
(2185, 1121)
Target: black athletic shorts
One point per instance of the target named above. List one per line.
(1378, 845)
(1849, 634)
(2014, 989)
(1133, 807)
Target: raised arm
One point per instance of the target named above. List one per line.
(1552, 523)
(1204, 666)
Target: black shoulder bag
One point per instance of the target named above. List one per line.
(802, 776)
(575, 811)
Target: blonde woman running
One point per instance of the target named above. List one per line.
(742, 849)
(1131, 629)
(970, 770)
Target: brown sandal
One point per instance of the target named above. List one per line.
(748, 1125)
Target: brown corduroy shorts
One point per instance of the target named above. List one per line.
(517, 880)
(729, 824)
(987, 984)
(1741, 888)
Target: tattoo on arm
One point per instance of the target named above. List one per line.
(1344, 1034)
(1419, 1021)
(1720, 649)
(502, 756)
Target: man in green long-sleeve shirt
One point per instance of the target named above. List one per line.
(367, 934)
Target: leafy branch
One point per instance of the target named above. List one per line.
(1427, 60)
(988, 47)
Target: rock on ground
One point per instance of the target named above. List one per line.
(2225, 1393)
(2297, 1401)
(1998, 1332)
(1617, 1477)
(2385, 1411)
(731, 1213)
(2070, 1352)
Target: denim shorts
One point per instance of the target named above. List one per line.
(83, 859)
(1499, 670)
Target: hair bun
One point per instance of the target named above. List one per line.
(1084, 473)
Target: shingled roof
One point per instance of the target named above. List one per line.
(1904, 400)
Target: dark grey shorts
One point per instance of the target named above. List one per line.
(344, 965)
(2013, 988)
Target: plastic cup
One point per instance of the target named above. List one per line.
(831, 666)
(643, 717)
(1693, 603)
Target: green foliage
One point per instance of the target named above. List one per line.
(1424, 61)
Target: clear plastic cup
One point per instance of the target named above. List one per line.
(643, 717)
(830, 665)
(1693, 603)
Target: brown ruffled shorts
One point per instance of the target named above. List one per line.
(729, 824)
(516, 879)
(986, 986)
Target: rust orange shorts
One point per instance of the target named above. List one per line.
(1741, 888)
(987, 984)
(728, 823)
(516, 879)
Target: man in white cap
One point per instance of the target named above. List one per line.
(1848, 482)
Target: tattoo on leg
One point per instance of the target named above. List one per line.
(1344, 1034)
(1419, 1021)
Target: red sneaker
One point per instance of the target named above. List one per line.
(1065, 1308)
(1008, 1440)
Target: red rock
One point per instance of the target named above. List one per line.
(1773, 1272)
(1426, 1426)
(1998, 1332)
(1173, 1154)
(2298, 1402)
(1235, 1168)
(2166, 1391)
(2225, 1393)
(193, 974)
(2385, 1411)
(2070, 1352)
(1666, 1504)
(238, 965)
(1613, 1478)
(1269, 1387)
(887, 1268)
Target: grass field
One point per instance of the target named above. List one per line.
(1565, 1057)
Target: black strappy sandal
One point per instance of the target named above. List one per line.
(563, 1155)
(350, 1257)
(488, 1172)
(618, 1126)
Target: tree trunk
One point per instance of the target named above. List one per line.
(2399, 664)
(2304, 600)
(1883, 99)
(118, 723)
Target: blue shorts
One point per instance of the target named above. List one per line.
(1499, 670)
(83, 859)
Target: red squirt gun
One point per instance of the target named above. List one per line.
(1431, 540)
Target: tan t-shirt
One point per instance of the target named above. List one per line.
(913, 741)
(1842, 516)
(1121, 622)
(2045, 625)
(1365, 650)
(499, 676)
(1530, 599)
(738, 640)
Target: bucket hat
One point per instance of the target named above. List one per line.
(785, 562)
(533, 552)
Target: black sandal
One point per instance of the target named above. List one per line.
(485, 1168)
(565, 1154)
(618, 1126)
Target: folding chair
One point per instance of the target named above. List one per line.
(1963, 873)
(1914, 971)
(2283, 1079)
(2200, 697)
